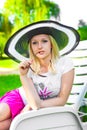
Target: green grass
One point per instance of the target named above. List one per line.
(9, 82)
(8, 63)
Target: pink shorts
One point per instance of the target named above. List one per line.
(14, 100)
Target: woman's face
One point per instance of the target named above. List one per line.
(41, 46)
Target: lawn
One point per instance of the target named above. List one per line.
(9, 82)
(8, 63)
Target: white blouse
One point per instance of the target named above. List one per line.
(49, 86)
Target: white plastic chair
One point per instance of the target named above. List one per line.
(55, 118)
(68, 117)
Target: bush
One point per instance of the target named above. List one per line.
(83, 32)
(2, 44)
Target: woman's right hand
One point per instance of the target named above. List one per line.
(26, 108)
(24, 67)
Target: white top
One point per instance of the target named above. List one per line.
(50, 85)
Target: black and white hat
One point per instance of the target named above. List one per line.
(66, 37)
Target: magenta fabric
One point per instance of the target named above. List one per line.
(14, 100)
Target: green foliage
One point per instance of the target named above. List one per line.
(1, 22)
(83, 32)
(84, 109)
(23, 12)
(53, 9)
(2, 43)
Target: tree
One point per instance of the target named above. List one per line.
(18, 13)
(82, 29)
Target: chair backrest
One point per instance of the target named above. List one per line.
(79, 57)
(55, 118)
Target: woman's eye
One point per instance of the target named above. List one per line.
(45, 40)
(34, 42)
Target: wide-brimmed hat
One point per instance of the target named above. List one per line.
(66, 37)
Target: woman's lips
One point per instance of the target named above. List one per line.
(40, 52)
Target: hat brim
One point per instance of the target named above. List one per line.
(66, 37)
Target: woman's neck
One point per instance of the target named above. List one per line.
(44, 65)
(45, 62)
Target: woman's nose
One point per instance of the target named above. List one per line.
(39, 45)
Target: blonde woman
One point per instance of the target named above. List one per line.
(46, 76)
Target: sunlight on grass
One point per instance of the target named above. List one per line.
(8, 63)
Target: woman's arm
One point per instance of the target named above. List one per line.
(31, 93)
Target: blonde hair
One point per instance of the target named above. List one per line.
(54, 56)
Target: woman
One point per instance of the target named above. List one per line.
(46, 79)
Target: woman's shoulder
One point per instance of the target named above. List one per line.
(64, 63)
(63, 59)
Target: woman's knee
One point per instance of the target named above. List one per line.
(5, 112)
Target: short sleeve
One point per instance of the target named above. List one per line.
(29, 74)
(67, 64)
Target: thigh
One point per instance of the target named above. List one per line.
(5, 125)
(5, 112)
(14, 101)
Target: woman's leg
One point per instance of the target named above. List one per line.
(5, 116)
(5, 112)
(4, 125)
